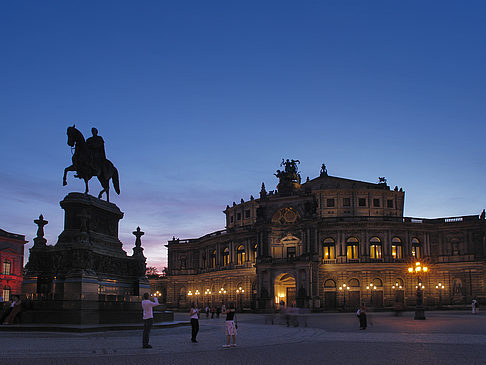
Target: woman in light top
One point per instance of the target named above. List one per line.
(194, 314)
(230, 326)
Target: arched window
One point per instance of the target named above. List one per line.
(353, 283)
(226, 258)
(397, 248)
(377, 283)
(329, 283)
(329, 249)
(7, 268)
(375, 248)
(213, 259)
(352, 248)
(416, 248)
(6, 293)
(240, 255)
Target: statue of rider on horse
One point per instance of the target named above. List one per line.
(89, 160)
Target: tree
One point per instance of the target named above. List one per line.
(151, 271)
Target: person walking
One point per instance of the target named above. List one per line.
(361, 313)
(212, 311)
(230, 326)
(207, 311)
(194, 314)
(148, 318)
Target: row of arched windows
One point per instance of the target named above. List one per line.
(376, 248)
(377, 283)
(241, 256)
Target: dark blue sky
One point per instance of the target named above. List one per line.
(198, 102)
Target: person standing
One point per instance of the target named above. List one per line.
(207, 311)
(218, 311)
(230, 326)
(361, 313)
(474, 306)
(148, 318)
(194, 314)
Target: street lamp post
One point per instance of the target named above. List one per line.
(240, 291)
(197, 297)
(222, 291)
(206, 293)
(343, 288)
(440, 287)
(417, 270)
(371, 287)
(190, 294)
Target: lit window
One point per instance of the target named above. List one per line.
(375, 248)
(396, 249)
(352, 248)
(6, 293)
(226, 256)
(240, 255)
(416, 248)
(329, 248)
(7, 268)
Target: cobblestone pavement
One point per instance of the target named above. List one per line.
(444, 338)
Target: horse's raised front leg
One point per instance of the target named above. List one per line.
(70, 168)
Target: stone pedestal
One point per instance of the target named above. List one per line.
(86, 277)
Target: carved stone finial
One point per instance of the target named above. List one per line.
(138, 233)
(138, 250)
(40, 224)
(263, 192)
(40, 241)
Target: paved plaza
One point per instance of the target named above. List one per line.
(332, 338)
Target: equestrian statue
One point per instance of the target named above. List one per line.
(89, 160)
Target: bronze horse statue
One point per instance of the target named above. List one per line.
(88, 163)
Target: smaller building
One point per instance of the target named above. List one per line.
(11, 263)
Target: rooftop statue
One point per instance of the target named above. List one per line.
(89, 160)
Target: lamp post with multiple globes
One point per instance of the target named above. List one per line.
(239, 300)
(206, 293)
(440, 287)
(344, 288)
(371, 287)
(418, 270)
(222, 291)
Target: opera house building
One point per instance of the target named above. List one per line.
(327, 244)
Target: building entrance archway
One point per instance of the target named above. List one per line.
(285, 290)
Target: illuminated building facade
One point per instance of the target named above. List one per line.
(11, 263)
(328, 243)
